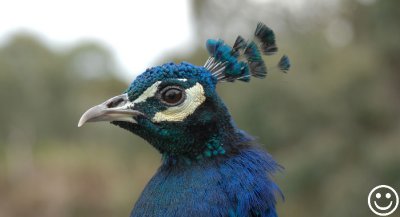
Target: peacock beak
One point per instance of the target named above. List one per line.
(117, 108)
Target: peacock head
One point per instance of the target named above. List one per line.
(176, 108)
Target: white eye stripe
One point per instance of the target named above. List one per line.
(151, 91)
(194, 98)
(148, 93)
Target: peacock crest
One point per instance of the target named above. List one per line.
(245, 58)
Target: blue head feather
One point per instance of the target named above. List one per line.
(244, 59)
(284, 63)
(267, 39)
(170, 71)
(223, 53)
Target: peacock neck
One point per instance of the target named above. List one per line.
(223, 143)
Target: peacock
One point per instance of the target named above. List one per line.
(209, 166)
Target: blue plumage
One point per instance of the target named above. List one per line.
(209, 166)
(284, 63)
(267, 39)
(244, 59)
(237, 185)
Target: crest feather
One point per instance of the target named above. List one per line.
(244, 59)
(284, 64)
(267, 39)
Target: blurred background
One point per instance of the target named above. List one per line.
(332, 121)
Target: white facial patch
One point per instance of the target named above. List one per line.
(194, 98)
(148, 93)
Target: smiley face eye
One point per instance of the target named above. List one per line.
(378, 195)
(172, 95)
(388, 195)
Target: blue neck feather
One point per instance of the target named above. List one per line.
(235, 184)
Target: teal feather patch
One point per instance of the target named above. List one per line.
(284, 64)
(267, 39)
(245, 58)
(239, 44)
(255, 61)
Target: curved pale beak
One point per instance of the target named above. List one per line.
(117, 108)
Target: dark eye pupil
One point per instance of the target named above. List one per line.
(172, 96)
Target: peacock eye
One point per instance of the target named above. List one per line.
(172, 95)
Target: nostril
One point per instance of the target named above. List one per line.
(114, 103)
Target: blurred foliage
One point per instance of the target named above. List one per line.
(48, 167)
(332, 122)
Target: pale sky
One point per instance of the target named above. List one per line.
(130, 29)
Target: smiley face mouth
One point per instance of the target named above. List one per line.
(383, 207)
